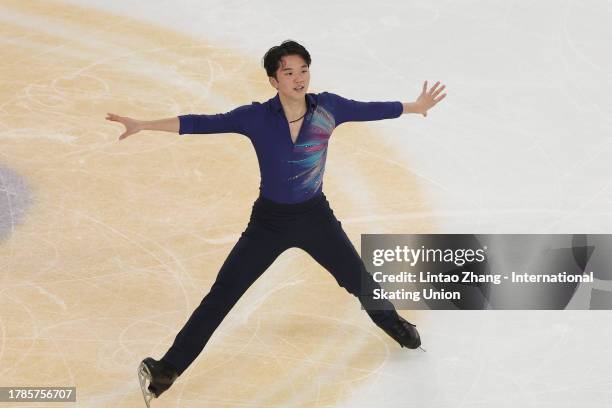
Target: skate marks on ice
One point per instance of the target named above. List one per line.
(126, 237)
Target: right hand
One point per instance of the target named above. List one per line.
(131, 125)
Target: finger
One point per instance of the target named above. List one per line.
(440, 98)
(425, 87)
(438, 91)
(433, 88)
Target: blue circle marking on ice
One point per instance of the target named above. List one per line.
(15, 198)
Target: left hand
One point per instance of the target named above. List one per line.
(427, 99)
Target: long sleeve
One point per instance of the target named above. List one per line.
(233, 121)
(348, 110)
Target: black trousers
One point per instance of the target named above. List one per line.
(273, 228)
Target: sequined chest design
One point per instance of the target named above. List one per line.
(309, 154)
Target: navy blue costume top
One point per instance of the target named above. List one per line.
(290, 173)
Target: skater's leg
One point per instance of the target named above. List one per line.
(254, 252)
(328, 244)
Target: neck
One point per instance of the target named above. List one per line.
(294, 108)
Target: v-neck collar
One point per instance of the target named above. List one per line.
(297, 138)
(278, 108)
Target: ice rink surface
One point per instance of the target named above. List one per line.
(106, 247)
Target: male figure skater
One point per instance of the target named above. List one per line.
(290, 133)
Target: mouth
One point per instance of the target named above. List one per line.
(298, 89)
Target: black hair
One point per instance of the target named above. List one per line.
(272, 59)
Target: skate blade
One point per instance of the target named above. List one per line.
(422, 349)
(144, 377)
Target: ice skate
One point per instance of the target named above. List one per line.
(405, 333)
(155, 377)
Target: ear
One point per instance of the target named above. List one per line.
(273, 82)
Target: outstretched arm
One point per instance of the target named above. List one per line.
(230, 122)
(348, 110)
(426, 100)
(134, 126)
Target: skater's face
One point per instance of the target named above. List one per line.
(292, 77)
